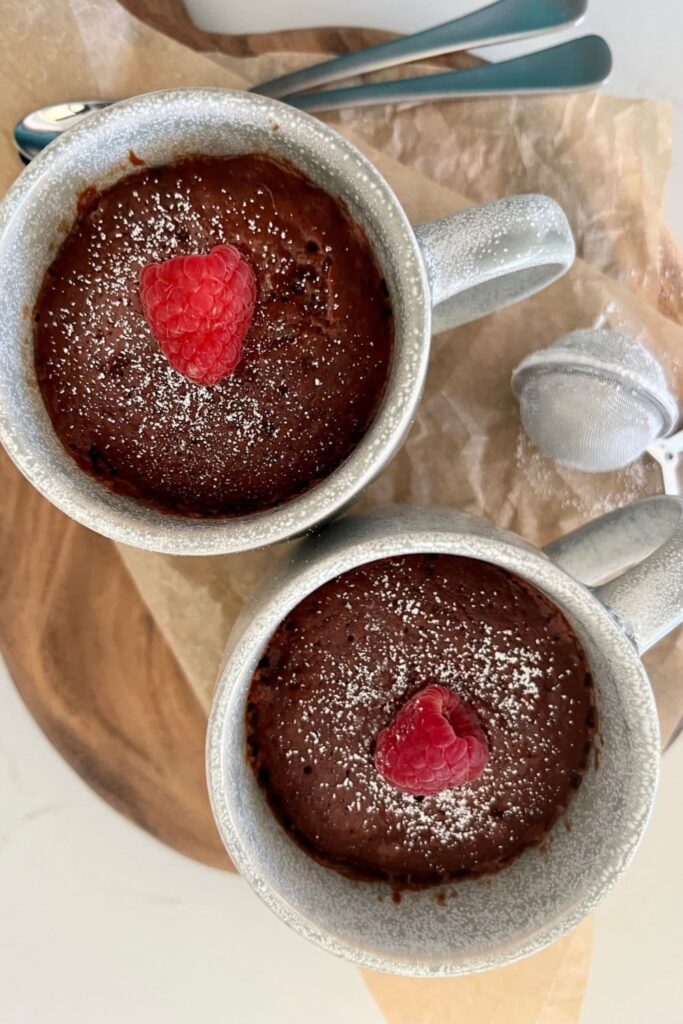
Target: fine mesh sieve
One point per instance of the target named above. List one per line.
(594, 400)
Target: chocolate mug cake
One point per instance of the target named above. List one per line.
(315, 358)
(355, 658)
(363, 642)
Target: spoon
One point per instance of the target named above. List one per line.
(42, 126)
(587, 64)
(497, 23)
(579, 64)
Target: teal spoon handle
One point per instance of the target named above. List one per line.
(496, 23)
(579, 64)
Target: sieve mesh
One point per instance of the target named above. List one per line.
(587, 422)
(594, 400)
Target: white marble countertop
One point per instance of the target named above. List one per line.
(101, 923)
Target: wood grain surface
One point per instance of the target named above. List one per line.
(96, 674)
(80, 644)
(171, 17)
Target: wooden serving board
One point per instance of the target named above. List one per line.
(81, 645)
(96, 674)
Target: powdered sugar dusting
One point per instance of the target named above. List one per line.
(589, 493)
(349, 658)
(319, 342)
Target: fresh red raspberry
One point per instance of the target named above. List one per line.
(199, 309)
(435, 742)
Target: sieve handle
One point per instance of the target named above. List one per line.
(486, 257)
(647, 598)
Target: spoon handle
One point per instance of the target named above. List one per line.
(668, 452)
(578, 64)
(504, 20)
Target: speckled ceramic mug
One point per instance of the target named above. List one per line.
(544, 893)
(441, 274)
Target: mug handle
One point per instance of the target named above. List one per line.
(489, 256)
(647, 599)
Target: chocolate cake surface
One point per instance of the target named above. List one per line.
(315, 360)
(344, 662)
